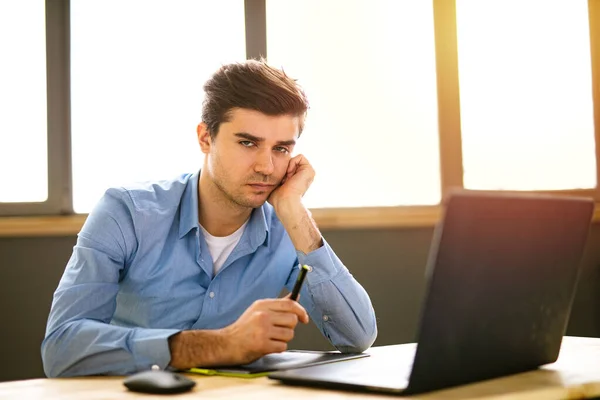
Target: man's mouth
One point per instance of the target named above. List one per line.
(263, 186)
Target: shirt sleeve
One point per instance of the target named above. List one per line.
(335, 301)
(79, 339)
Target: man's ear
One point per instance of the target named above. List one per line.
(204, 138)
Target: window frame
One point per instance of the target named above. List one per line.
(449, 97)
(60, 196)
(58, 71)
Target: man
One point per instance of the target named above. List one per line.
(186, 272)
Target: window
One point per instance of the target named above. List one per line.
(23, 126)
(136, 82)
(368, 68)
(526, 94)
(408, 98)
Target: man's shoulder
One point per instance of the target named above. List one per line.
(153, 195)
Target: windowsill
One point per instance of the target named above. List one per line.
(59, 225)
(339, 218)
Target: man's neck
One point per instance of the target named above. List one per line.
(216, 213)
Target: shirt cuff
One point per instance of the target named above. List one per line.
(323, 261)
(151, 347)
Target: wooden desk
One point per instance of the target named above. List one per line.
(575, 375)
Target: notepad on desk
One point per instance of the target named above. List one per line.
(279, 362)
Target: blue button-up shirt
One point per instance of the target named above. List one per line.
(141, 272)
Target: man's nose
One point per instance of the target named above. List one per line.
(264, 163)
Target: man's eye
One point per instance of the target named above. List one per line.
(246, 143)
(282, 150)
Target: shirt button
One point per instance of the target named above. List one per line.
(325, 318)
(211, 294)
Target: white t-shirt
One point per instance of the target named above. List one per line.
(220, 247)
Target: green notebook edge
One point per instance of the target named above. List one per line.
(230, 374)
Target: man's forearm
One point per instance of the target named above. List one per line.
(87, 347)
(300, 226)
(343, 311)
(339, 305)
(198, 348)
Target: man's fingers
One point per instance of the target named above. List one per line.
(293, 164)
(277, 346)
(281, 334)
(284, 319)
(286, 305)
(289, 296)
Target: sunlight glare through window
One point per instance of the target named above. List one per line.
(526, 94)
(23, 119)
(138, 67)
(368, 68)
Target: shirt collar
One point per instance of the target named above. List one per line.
(188, 213)
(258, 227)
(257, 231)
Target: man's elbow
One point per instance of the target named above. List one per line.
(369, 335)
(52, 372)
(48, 361)
(51, 361)
(361, 342)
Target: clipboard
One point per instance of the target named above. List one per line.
(289, 359)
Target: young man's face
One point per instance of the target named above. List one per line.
(250, 154)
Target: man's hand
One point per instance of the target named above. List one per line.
(298, 178)
(287, 202)
(265, 327)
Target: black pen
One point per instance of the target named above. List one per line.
(301, 275)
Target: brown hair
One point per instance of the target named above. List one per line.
(251, 85)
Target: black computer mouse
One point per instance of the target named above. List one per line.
(158, 382)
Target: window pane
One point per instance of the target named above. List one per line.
(526, 94)
(138, 67)
(23, 126)
(368, 67)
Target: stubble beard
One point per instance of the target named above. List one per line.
(238, 201)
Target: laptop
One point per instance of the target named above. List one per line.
(501, 277)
